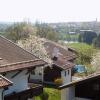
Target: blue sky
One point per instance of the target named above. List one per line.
(49, 10)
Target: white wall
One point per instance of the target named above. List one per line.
(68, 93)
(38, 71)
(66, 76)
(20, 82)
(1, 94)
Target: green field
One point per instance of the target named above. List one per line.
(82, 48)
(54, 94)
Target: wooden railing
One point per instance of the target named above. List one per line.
(24, 95)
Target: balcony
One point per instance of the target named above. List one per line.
(24, 95)
(45, 83)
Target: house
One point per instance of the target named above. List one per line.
(16, 65)
(62, 61)
(87, 88)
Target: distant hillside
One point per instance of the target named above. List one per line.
(3, 26)
(75, 27)
(64, 28)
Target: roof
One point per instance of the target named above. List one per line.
(64, 55)
(4, 82)
(85, 79)
(63, 64)
(11, 54)
(21, 65)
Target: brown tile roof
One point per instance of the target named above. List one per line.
(64, 64)
(4, 82)
(64, 54)
(11, 54)
(21, 65)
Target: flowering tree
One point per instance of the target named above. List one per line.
(35, 45)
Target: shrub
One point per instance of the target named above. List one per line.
(58, 81)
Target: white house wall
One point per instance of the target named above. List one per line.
(68, 93)
(66, 76)
(1, 94)
(20, 82)
(38, 73)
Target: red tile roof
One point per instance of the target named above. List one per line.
(4, 82)
(13, 57)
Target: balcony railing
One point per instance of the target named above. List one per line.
(45, 83)
(24, 95)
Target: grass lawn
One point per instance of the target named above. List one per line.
(81, 47)
(54, 94)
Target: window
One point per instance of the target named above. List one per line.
(68, 72)
(65, 73)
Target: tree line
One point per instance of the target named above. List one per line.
(90, 37)
(22, 30)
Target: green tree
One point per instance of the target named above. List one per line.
(87, 37)
(18, 31)
(80, 38)
(96, 42)
(45, 31)
(85, 52)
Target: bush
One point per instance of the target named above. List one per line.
(58, 81)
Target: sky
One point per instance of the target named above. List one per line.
(49, 10)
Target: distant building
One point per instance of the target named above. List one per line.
(72, 32)
(82, 31)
